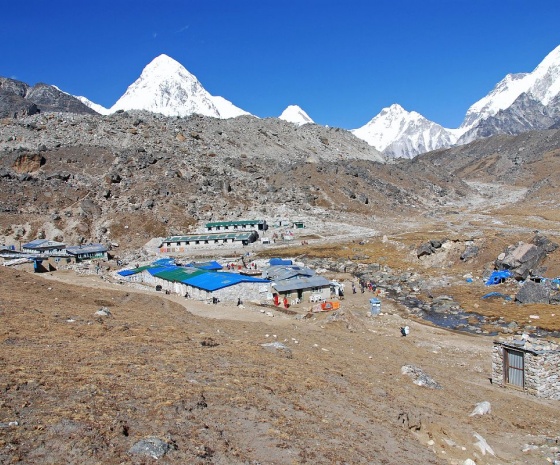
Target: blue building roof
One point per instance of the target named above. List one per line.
(43, 243)
(196, 277)
(164, 261)
(211, 265)
(212, 281)
(84, 249)
(279, 261)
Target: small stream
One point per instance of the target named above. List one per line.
(469, 322)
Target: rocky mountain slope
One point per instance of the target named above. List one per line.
(84, 174)
(84, 178)
(19, 99)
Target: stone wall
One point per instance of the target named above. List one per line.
(498, 364)
(541, 368)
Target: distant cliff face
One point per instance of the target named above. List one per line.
(18, 99)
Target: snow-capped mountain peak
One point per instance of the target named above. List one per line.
(165, 86)
(294, 114)
(543, 84)
(94, 106)
(401, 133)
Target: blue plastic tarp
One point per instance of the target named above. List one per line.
(164, 261)
(209, 266)
(496, 295)
(498, 277)
(279, 261)
(212, 281)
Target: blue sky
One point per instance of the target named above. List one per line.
(341, 61)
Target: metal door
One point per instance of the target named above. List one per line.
(514, 368)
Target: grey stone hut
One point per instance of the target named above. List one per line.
(527, 365)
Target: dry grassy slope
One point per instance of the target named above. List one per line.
(208, 387)
(445, 267)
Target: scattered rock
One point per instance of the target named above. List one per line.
(278, 348)
(419, 377)
(151, 447)
(532, 292)
(103, 311)
(481, 408)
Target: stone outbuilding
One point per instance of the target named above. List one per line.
(527, 365)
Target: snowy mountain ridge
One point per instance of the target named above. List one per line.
(519, 102)
(165, 86)
(402, 134)
(294, 114)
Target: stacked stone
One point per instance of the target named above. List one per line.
(541, 366)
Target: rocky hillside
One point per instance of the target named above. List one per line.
(132, 176)
(19, 99)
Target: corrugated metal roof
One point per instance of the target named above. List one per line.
(212, 281)
(177, 274)
(301, 283)
(243, 235)
(281, 272)
(202, 279)
(42, 243)
(132, 271)
(211, 265)
(153, 270)
(164, 261)
(279, 262)
(89, 248)
(233, 223)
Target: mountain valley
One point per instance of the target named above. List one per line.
(165, 379)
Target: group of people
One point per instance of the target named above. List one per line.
(239, 267)
(369, 285)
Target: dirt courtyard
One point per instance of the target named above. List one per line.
(217, 384)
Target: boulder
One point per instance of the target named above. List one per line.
(533, 293)
(424, 249)
(150, 447)
(521, 259)
(28, 163)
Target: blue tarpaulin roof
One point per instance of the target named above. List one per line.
(196, 277)
(493, 295)
(164, 261)
(279, 261)
(212, 281)
(212, 265)
(497, 277)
